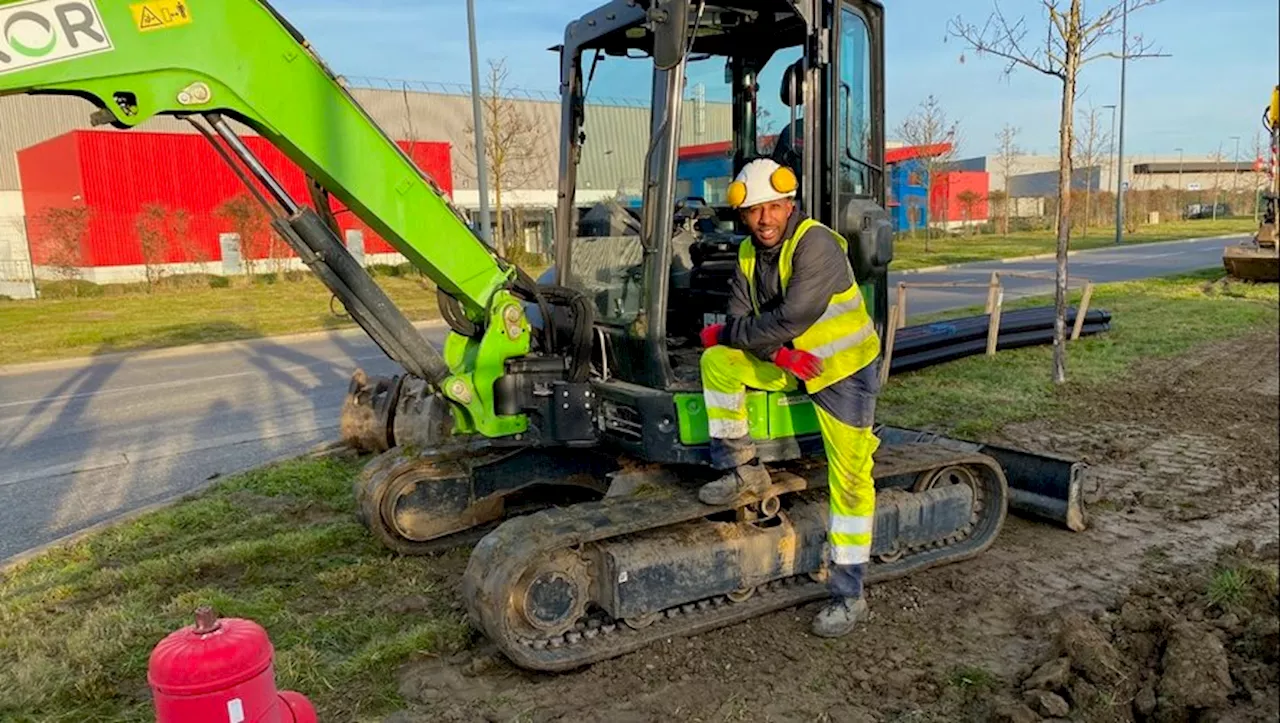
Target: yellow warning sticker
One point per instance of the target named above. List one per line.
(160, 14)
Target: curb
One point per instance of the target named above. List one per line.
(1044, 257)
(188, 349)
(322, 449)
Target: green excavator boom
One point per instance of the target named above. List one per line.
(209, 60)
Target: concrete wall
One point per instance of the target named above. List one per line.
(15, 259)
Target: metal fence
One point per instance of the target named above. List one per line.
(16, 281)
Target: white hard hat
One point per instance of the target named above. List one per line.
(761, 181)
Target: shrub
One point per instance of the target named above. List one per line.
(69, 289)
(386, 269)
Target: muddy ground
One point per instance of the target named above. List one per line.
(1184, 464)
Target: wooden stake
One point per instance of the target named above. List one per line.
(993, 323)
(992, 289)
(902, 305)
(1084, 309)
(888, 345)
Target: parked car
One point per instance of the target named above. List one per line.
(1205, 210)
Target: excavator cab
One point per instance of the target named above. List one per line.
(748, 79)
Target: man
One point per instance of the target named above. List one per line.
(796, 315)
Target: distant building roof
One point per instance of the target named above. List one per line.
(905, 153)
(1243, 165)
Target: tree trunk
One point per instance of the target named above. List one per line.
(1088, 189)
(500, 238)
(1072, 42)
(928, 207)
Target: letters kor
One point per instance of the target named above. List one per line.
(48, 31)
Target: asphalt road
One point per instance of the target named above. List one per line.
(84, 441)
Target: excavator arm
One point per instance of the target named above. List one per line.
(213, 60)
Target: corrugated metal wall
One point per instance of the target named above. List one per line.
(410, 114)
(117, 174)
(947, 188)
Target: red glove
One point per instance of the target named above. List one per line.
(801, 363)
(711, 335)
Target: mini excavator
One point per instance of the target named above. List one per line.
(560, 429)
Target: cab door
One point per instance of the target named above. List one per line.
(855, 157)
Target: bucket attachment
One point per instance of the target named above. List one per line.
(1045, 486)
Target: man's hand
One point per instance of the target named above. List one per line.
(711, 335)
(801, 363)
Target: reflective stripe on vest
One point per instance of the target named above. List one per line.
(844, 337)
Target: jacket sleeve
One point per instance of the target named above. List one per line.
(819, 270)
(739, 294)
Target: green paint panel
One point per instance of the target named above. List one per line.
(770, 415)
(791, 415)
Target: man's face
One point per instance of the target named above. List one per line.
(766, 221)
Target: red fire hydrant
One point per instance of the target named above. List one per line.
(221, 670)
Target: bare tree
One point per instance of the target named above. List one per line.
(1091, 144)
(998, 199)
(62, 236)
(511, 140)
(153, 241)
(161, 231)
(929, 128)
(178, 225)
(250, 223)
(1261, 166)
(1007, 153)
(969, 200)
(1218, 159)
(1070, 41)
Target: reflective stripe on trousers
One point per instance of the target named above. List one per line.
(851, 486)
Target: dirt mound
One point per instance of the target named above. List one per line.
(1190, 644)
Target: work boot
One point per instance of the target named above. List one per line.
(742, 481)
(839, 616)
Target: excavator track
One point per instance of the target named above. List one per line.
(418, 503)
(566, 587)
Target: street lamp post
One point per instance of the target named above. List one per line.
(1124, 56)
(1180, 206)
(1235, 171)
(1111, 146)
(482, 170)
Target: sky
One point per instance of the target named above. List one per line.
(1223, 59)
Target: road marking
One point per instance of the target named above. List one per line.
(176, 383)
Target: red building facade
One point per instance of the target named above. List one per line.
(951, 200)
(116, 176)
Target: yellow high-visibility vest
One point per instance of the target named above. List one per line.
(844, 337)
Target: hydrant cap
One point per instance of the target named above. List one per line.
(211, 655)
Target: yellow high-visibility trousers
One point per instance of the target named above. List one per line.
(727, 373)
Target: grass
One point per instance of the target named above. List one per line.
(281, 546)
(971, 678)
(910, 253)
(1151, 319)
(58, 328)
(1243, 586)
